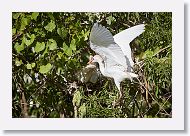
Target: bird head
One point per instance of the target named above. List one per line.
(93, 59)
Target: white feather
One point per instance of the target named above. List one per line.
(126, 36)
(102, 42)
(114, 53)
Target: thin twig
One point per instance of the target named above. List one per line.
(163, 105)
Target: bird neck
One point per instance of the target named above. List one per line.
(102, 67)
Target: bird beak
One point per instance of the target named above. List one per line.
(90, 62)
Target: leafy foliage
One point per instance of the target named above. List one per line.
(49, 49)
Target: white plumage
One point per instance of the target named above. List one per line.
(114, 53)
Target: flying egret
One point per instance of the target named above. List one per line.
(114, 53)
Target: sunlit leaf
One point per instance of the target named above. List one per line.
(45, 68)
(62, 32)
(45, 51)
(52, 44)
(67, 50)
(33, 65)
(50, 26)
(18, 62)
(77, 98)
(59, 54)
(35, 15)
(16, 15)
(73, 45)
(28, 66)
(13, 31)
(39, 47)
(82, 110)
(18, 47)
(86, 35)
(24, 22)
(110, 19)
(65, 47)
(157, 90)
(30, 41)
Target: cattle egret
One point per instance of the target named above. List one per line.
(88, 74)
(114, 53)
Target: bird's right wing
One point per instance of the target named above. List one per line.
(126, 36)
(102, 42)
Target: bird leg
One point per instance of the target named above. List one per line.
(121, 94)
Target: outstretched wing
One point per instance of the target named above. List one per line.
(126, 36)
(102, 42)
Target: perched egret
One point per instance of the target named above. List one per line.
(88, 74)
(114, 53)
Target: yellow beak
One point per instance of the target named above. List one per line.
(90, 62)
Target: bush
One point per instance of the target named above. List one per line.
(50, 49)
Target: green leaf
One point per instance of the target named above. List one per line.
(50, 15)
(18, 62)
(29, 42)
(40, 32)
(28, 66)
(45, 52)
(39, 47)
(24, 22)
(157, 90)
(52, 44)
(82, 111)
(147, 54)
(157, 50)
(67, 50)
(50, 26)
(86, 35)
(18, 47)
(33, 65)
(73, 45)
(59, 54)
(110, 19)
(62, 32)
(65, 47)
(13, 31)
(16, 15)
(45, 68)
(34, 15)
(77, 98)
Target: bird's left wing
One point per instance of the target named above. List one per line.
(102, 42)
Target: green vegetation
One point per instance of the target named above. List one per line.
(49, 49)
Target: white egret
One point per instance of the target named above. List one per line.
(88, 74)
(114, 53)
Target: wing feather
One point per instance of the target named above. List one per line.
(102, 42)
(126, 36)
